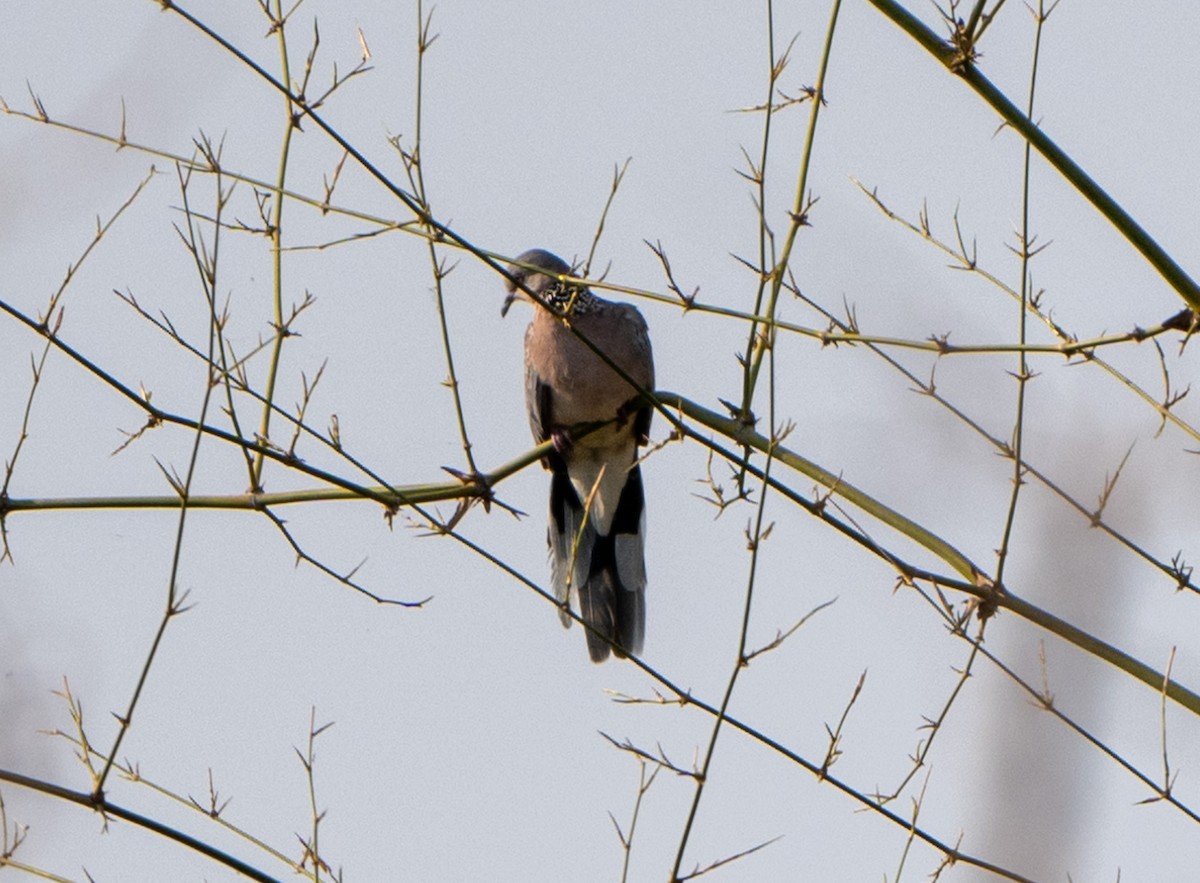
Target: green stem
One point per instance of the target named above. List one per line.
(388, 495)
(90, 801)
(747, 436)
(764, 233)
(976, 582)
(1022, 375)
(1175, 275)
(798, 219)
(276, 234)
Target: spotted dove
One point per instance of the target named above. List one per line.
(597, 559)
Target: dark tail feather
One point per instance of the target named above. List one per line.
(568, 563)
(598, 603)
(615, 611)
(612, 600)
(609, 572)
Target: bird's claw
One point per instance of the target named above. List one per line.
(561, 440)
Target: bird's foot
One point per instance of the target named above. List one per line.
(561, 440)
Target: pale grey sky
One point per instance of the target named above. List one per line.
(466, 740)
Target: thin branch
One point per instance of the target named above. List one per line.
(206, 266)
(99, 804)
(1133, 233)
(780, 637)
(440, 269)
(712, 866)
(618, 176)
(275, 232)
(644, 783)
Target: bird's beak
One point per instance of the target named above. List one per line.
(508, 302)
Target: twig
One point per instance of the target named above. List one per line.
(618, 176)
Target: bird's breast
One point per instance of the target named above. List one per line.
(584, 387)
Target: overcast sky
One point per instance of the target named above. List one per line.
(466, 740)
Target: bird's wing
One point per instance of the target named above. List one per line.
(538, 398)
(644, 356)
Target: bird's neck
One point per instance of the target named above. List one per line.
(572, 300)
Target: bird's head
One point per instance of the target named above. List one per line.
(536, 270)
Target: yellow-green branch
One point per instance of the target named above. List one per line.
(951, 58)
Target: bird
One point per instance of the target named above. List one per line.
(597, 556)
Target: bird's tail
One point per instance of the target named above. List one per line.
(607, 571)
